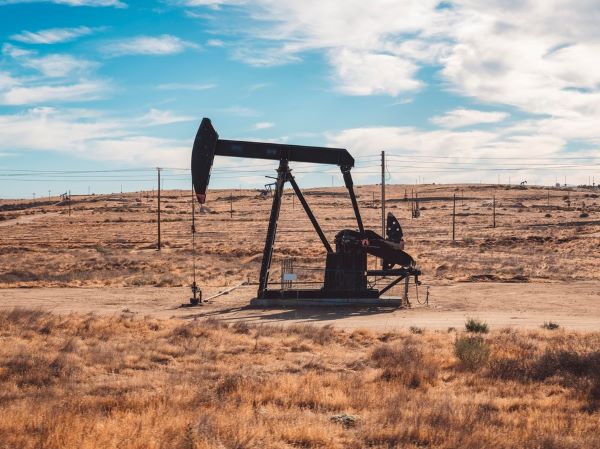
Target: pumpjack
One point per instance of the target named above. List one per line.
(346, 279)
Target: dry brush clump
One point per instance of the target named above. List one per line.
(83, 381)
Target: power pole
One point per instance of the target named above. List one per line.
(48, 194)
(494, 211)
(230, 204)
(69, 203)
(453, 216)
(383, 194)
(158, 169)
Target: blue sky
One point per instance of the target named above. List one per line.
(460, 91)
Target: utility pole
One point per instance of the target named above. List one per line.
(383, 194)
(69, 203)
(158, 169)
(548, 203)
(34, 195)
(230, 204)
(453, 216)
(48, 194)
(494, 211)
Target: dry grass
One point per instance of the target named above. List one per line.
(89, 382)
(110, 241)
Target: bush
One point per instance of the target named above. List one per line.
(241, 327)
(476, 326)
(473, 352)
(405, 364)
(550, 325)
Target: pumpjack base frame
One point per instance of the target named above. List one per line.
(325, 302)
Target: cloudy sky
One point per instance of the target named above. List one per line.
(461, 90)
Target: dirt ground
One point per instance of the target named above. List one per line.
(539, 263)
(574, 307)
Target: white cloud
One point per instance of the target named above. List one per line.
(539, 57)
(263, 125)
(80, 91)
(456, 156)
(52, 65)
(52, 35)
(62, 78)
(7, 81)
(459, 118)
(363, 73)
(184, 86)
(372, 47)
(15, 52)
(215, 43)
(88, 136)
(156, 117)
(58, 65)
(94, 3)
(148, 45)
(210, 3)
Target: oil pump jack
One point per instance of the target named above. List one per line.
(346, 279)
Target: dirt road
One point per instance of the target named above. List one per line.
(574, 306)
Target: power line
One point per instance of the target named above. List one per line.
(493, 157)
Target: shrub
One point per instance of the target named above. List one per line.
(476, 326)
(405, 364)
(473, 352)
(416, 330)
(241, 327)
(550, 325)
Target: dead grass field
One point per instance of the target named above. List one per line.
(541, 236)
(82, 381)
